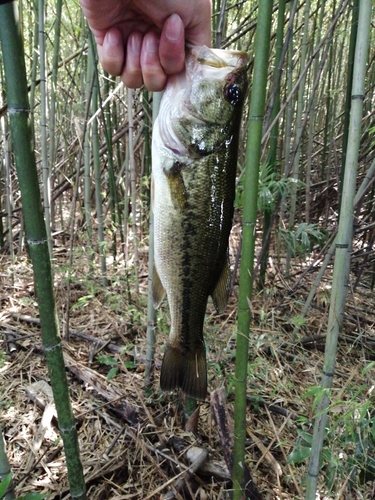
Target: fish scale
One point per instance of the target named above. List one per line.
(195, 143)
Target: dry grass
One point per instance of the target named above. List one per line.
(133, 443)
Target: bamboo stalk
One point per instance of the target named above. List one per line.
(107, 122)
(272, 154)
(43, 125)
(52, 108)
(87, 165)
(253, 149)
(298, 128)
(5, 471)
(97, 177)
(133, 189)
(34, 68)
(352, 42)
(8, 192)
(18, 108)
(343, 244)
(287, 131)
(312, 118)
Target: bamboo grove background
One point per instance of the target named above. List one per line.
(92, 147)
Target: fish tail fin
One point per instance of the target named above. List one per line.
(185, 369)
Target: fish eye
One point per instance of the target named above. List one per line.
(232, 93)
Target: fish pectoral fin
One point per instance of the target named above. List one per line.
(220, 295)
(176, 185)
(158, 292)
(185, 369)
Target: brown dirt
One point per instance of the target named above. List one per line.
(133, 442)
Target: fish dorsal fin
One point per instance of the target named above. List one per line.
(220, 295)
(158, 291)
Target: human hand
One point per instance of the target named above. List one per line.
(143, 41)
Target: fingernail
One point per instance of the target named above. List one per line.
(174, 28)
(151, 43)
(136, 43)
(113, 38)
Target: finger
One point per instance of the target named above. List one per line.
(132, 74)
(111, 52)
(198, 29)
(154, 76)
(172, 45)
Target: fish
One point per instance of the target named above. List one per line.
(194, 158)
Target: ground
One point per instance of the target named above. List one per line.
(133, 441)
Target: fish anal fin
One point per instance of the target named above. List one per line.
(186, 370)
(176, 185)
(220, 295)
(158, 291)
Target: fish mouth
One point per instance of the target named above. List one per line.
(204, 64)
(219, 58)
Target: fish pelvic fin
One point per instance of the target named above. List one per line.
(220, 295)
(158, 291)
(186, 370)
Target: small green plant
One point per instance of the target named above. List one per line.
(109, 361)
(82, 301)
(113, 363)
(297, 320)
(349, 442)
(4, 485)
(302, 448)
(303, 238)
(2, 358)
(34, 496)
(5, 404)
(271, 188)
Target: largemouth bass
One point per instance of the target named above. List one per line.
(194, 150)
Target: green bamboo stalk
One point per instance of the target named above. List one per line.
(86, 153)
(8, 193)
(97, 176)
(341, 268)
(2, 234)
(34, 68)
(312, 117)
(43, 124)
(220, 31)
(87, 165)
(288, 128)
(215, 16)
(107, 122)
(6, 163)
(147, 140)
(133, 189)
(52, 108)
(118, 179)
(298, 127)
(5, 472)
(348, 96)
(18, 109)
(272, 153)
(126, 200)
(253, 150)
